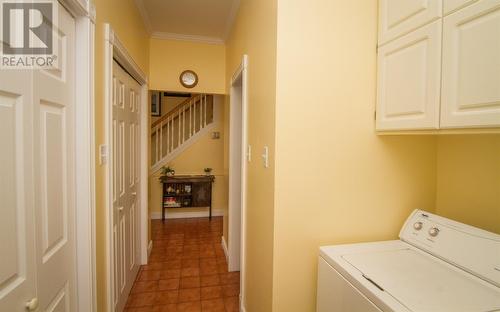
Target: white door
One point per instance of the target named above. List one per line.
(399, 17)
(37, 113)
(409, 80)
(17, 224)
(125, 164)
(471, 67)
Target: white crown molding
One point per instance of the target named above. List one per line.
(182, 37)
(144, 14)
(231, 18)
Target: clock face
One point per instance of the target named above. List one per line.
(188, 78)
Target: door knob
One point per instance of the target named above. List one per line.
(120, 208)
(134, 193)
(32, 305)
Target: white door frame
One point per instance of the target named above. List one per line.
(84, 13)
(114, 49)
(237, 221)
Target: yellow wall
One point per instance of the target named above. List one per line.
(169, 58)
(468, 180)
(206, 152)
(334, 175)
(254, 33)
(127, 23)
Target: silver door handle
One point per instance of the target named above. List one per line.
(134, 193)
(120, 208)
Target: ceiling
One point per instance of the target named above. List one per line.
(193, 20)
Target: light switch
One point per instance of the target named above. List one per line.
(103, 154)
(249, 153)
(265, 157)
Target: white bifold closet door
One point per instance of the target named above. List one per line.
(37, 182)
(125, 172)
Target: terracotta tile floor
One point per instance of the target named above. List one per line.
(187, 270)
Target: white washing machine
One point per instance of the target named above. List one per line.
(438, 265)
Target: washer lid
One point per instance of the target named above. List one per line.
(424, 283)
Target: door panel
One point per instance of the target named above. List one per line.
(408, 89)
(54, 122)
(399, 17)
(53, 205)
(125, 180)
(471, 67)
(17, 265)
(452, 5)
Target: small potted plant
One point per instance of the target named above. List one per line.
(208, 171)
(168, 171)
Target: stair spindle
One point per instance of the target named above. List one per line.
(167, 146)
(205, 111)
(161, 142)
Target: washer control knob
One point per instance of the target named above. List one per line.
(418, 225)
(433, 231)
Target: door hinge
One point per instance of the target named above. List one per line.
(375, 115)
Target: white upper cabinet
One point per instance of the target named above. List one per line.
(452, 5)
(443, 74)
(409, 81)
(399, 17)
(471, 67)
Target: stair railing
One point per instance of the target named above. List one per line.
(177, 126)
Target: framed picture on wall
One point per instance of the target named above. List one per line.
(155, 104)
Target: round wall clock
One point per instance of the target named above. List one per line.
(188, 79)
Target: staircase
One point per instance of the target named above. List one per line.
(179, 128)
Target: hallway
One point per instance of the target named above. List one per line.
(187, 270)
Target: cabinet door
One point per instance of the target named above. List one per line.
(471, 67)
(201, 194)
(452, 5)
(399, 17)
(409, 81)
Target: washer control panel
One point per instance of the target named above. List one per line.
(423, 228)
(470, 248)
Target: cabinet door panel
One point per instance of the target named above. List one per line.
(471, 67)
(409, 81)
(201, 194)
(399, 17)
(452, 5)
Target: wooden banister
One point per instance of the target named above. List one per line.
(194, 98)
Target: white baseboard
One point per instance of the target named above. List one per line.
(224, 247)
(242, 306)
(186, 213)
(150, 247)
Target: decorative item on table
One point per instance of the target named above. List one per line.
(168, 171)
(208, 171)
(171, 202)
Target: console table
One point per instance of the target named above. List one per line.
(187, 191)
